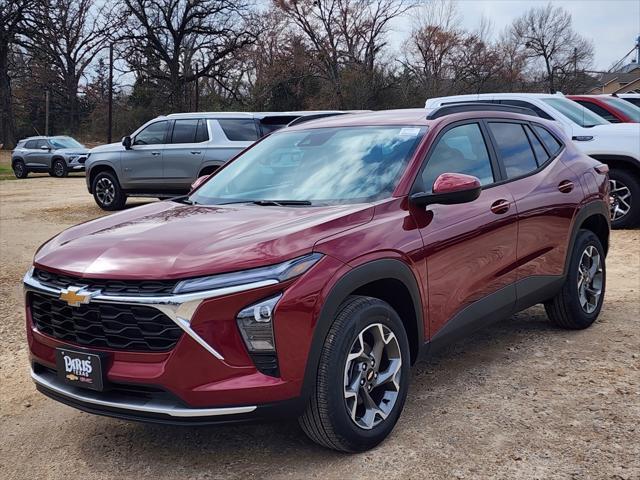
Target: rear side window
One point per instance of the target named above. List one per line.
(239, 129)
(514, 148)
(202, 133)
(541, 154)
(184, 131)
(549, 141)
(460, 150)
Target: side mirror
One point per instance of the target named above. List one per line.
(450, 189)
(45, 147)
(199, 181)
(126, 142)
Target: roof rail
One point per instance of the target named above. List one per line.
(315, 116)
(478, 107)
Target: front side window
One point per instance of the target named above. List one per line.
(460, 150)
(41, 143)
(319, 166)
(575, 112)
(239, 129)
(625, 107)
(152, 135)
(598, 110)
(31, 144)
(514, 148)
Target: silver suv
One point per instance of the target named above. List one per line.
(54, 155)
(167, 154)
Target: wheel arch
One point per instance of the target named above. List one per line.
(595, 217)
(389, 280)
(623, 162)
(95, 170)
(16, 159)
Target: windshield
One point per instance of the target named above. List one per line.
(629, 109)
(575, 112)
(65, 142)
(325, 165)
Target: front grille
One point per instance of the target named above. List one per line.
(102, 325)
(108, 287)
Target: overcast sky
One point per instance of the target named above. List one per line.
(612, 25)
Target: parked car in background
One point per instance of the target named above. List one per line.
(167, 154)
(309, 273)
(616, 145)
(57, 156)
(629, 97)
(612, 109)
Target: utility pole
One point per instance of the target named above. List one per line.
(110, 98)
(46, 112)
(197, 103)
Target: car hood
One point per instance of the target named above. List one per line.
(109, 147)
(72, 151)
(167, 240)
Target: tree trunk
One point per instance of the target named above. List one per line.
(7, 122)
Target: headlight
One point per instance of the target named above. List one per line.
(276, 273)
(256, 325)
(72, 157)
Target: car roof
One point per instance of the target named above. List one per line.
(258, 115)
(479, 96)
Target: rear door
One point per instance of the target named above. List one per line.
(183, 154)
(546, 194)
(470, 249)
(142, 165)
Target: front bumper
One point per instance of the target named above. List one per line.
(208, 374)
(77, 164)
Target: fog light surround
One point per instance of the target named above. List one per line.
(255, 323)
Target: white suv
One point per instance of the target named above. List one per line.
(617, 145)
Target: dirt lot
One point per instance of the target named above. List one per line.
(520, 400)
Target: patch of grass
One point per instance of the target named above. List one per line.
(6, 173)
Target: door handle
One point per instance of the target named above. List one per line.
(155, 153)
(195, 153)
(565, 186)
(500, 206)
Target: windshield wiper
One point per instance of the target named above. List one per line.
(282, 203)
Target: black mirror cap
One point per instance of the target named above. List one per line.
(126, 142)
(423, 199)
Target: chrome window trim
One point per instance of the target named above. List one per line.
(179, 308)
(50, 382)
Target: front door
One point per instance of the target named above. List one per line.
(470, 249)
(142, 164)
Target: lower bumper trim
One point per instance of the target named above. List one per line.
(52, 384)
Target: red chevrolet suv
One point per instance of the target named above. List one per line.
(308, 274)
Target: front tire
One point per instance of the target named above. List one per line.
(20, 169)
(625, 194)
(59, 169)
(107, 192)
(362, 378)
(579, 302)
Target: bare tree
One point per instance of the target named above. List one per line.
(177, 42)
(342, 33)
(68, 35)
(546, 33)
(13, 16)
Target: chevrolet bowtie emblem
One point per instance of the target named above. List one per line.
(75, 296)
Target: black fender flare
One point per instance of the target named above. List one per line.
(352, 280)
(594, 208)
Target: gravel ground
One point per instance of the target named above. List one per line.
(519, 400)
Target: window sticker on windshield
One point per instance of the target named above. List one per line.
(409, 132)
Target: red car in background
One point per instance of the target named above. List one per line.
(612, 109)
(305, 276)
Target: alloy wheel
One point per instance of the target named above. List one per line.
(58, 169)
(620, 199)
(105, 191)
(372, 376)
(18, 168)
(590, 276)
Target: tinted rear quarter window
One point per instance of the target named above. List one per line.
(514, 148)
(541, 154)
(549, 141)
(239, 130)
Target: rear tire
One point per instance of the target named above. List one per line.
(625, 191)
(20, 169)
(579, 302)
(357, 399)
(107, 192)
(59, 169)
